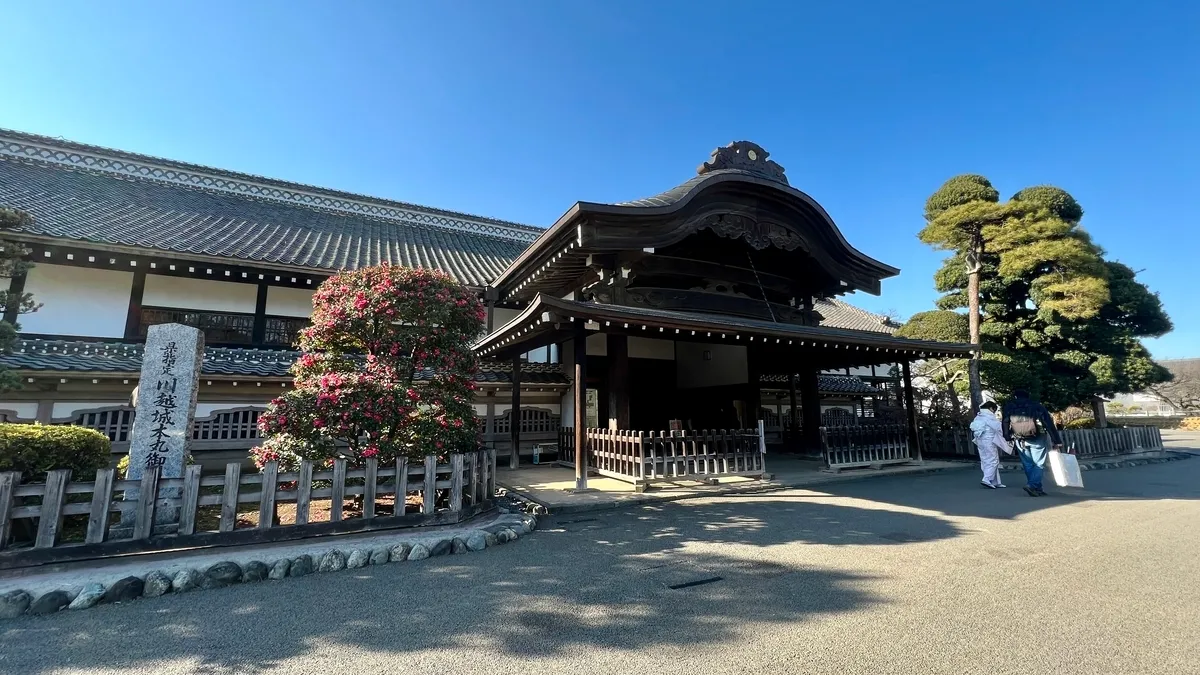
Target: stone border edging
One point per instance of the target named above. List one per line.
(506, 528)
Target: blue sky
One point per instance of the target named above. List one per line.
(517, 109)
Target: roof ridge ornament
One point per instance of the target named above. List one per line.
(744, 156)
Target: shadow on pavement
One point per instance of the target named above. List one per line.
(646, 577)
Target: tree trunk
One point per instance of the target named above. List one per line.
(973, 267)
(1099, 413)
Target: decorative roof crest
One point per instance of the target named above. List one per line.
(744, 156)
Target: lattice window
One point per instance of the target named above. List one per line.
(533, 420)
(218, 327)
(230, 425)
(283, 331)
(115, 423)
(837, 417)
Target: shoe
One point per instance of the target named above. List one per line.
(986, 484)
(1030, 491)
(1000, 485)
(1040, 492)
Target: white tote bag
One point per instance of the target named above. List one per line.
(1065, 469)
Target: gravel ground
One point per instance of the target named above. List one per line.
(924, 574)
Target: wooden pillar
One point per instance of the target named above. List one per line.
(581, 454)
(914, 439)
(133, 320)
(753, 402)
(618, 380)
(514, 454)
(795, 411)
(16, 288)
(810, 404)
(260, 315)
(490, 295)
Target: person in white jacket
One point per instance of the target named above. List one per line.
(989, 438)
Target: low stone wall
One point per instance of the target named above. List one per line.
(153, 581)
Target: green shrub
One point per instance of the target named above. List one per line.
(1080, 423)
(34, 449)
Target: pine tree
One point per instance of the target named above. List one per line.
(12, 264)
(1054, 316)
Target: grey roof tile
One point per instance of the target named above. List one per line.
(830, 384)
(40, 355)
(83, 205)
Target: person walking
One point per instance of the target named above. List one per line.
(989, 438)
(1029, 426)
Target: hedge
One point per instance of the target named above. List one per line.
(34, 449)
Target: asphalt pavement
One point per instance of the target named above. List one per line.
(911, 574)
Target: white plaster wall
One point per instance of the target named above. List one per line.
(502, 315)
(25, 410)
(727, 366)
(78, 301)
(597, 345)
(651, 348)
(69, 408)
(284, 301)
(480, 409)
(203, 294)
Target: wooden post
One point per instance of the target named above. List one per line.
(187, 509)
(143, 525)
(133, 319)
(229, 497)
(9, 480)
(101, 499)
(514, 416)
(580, 406)
(429, 495)
(810, 404)
(753, 404)
(370, 483)
(401, 486)
(456, 482)
(303, 492)
(337, 497)
(795, 412)
(618, 380)
(259, 332)
(914, 440)
(266, 496)
(50, 516)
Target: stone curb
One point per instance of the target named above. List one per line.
(768, 486)
(155, 583)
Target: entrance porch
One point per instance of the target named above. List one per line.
(667, 396)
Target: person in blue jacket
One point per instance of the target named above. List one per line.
(1029, 426)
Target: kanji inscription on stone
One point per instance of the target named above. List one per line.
(166, 401)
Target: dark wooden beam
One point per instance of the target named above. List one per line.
(914, 438)
(618, 379)
(514, 455)
(687, 267)
(753, 400)
(810, 404)
(133, 319)
(580, 393)
(795, 413)
(259, 333)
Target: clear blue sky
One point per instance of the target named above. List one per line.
(517, 109)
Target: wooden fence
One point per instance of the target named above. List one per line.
(1086, 442)
(204, 509)
(642, 457)
(865, 445)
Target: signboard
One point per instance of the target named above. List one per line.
(593, 409)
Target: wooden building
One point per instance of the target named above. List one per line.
(684, 306)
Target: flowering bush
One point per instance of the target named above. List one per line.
(386, 370)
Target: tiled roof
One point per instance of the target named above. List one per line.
(109, 197)
(32, 355)
(838, 314)
(830, 384)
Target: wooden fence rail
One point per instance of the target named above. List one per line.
(156, 513)
(642, 457)
(957, 442)
(865, 445)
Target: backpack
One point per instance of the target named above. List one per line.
(1023, 426)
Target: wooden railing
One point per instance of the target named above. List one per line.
(643, 457)
(956, 442)
(226, 327)
(204, 509)
(865, 445)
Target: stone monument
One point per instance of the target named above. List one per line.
(166, 404)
